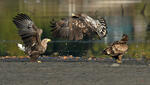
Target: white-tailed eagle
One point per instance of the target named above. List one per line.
(31, 36)
(117, 49)
(78, 25)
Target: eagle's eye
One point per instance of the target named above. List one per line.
(98, 24)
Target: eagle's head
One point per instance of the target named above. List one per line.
(44, 42)
(124, 38)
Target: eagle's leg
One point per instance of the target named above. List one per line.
(33, 58)
(119, 60)
(115, 57)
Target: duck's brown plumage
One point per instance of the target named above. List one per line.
(31, 36)
(117, 49)
(76, 26)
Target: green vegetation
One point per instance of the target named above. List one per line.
(137, 50)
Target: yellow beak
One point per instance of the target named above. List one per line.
(49, 40)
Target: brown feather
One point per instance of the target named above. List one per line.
(31, 36)
(75, 27)
(118, 48)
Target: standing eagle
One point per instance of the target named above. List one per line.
(31, 36)
(117, 49)
(76, 26)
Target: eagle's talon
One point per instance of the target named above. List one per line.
(39, 61)
(118, 61)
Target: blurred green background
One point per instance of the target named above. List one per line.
(131, 17)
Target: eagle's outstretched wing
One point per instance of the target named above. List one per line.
(74, 28)
(68, 28)
(28, 31)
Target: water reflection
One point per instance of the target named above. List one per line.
(122, 16)
(140, 26)
(118, 25)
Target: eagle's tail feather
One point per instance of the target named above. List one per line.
(21, 47)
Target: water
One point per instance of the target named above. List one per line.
(130, 17)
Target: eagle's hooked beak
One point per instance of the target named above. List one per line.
(73, 14)
(48, 40)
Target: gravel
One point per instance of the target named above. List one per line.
(74, 73)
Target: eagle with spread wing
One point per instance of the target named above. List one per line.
(117, 49)
(78, 25)
(31, 36)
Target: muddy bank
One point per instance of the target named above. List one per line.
(73, 73)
